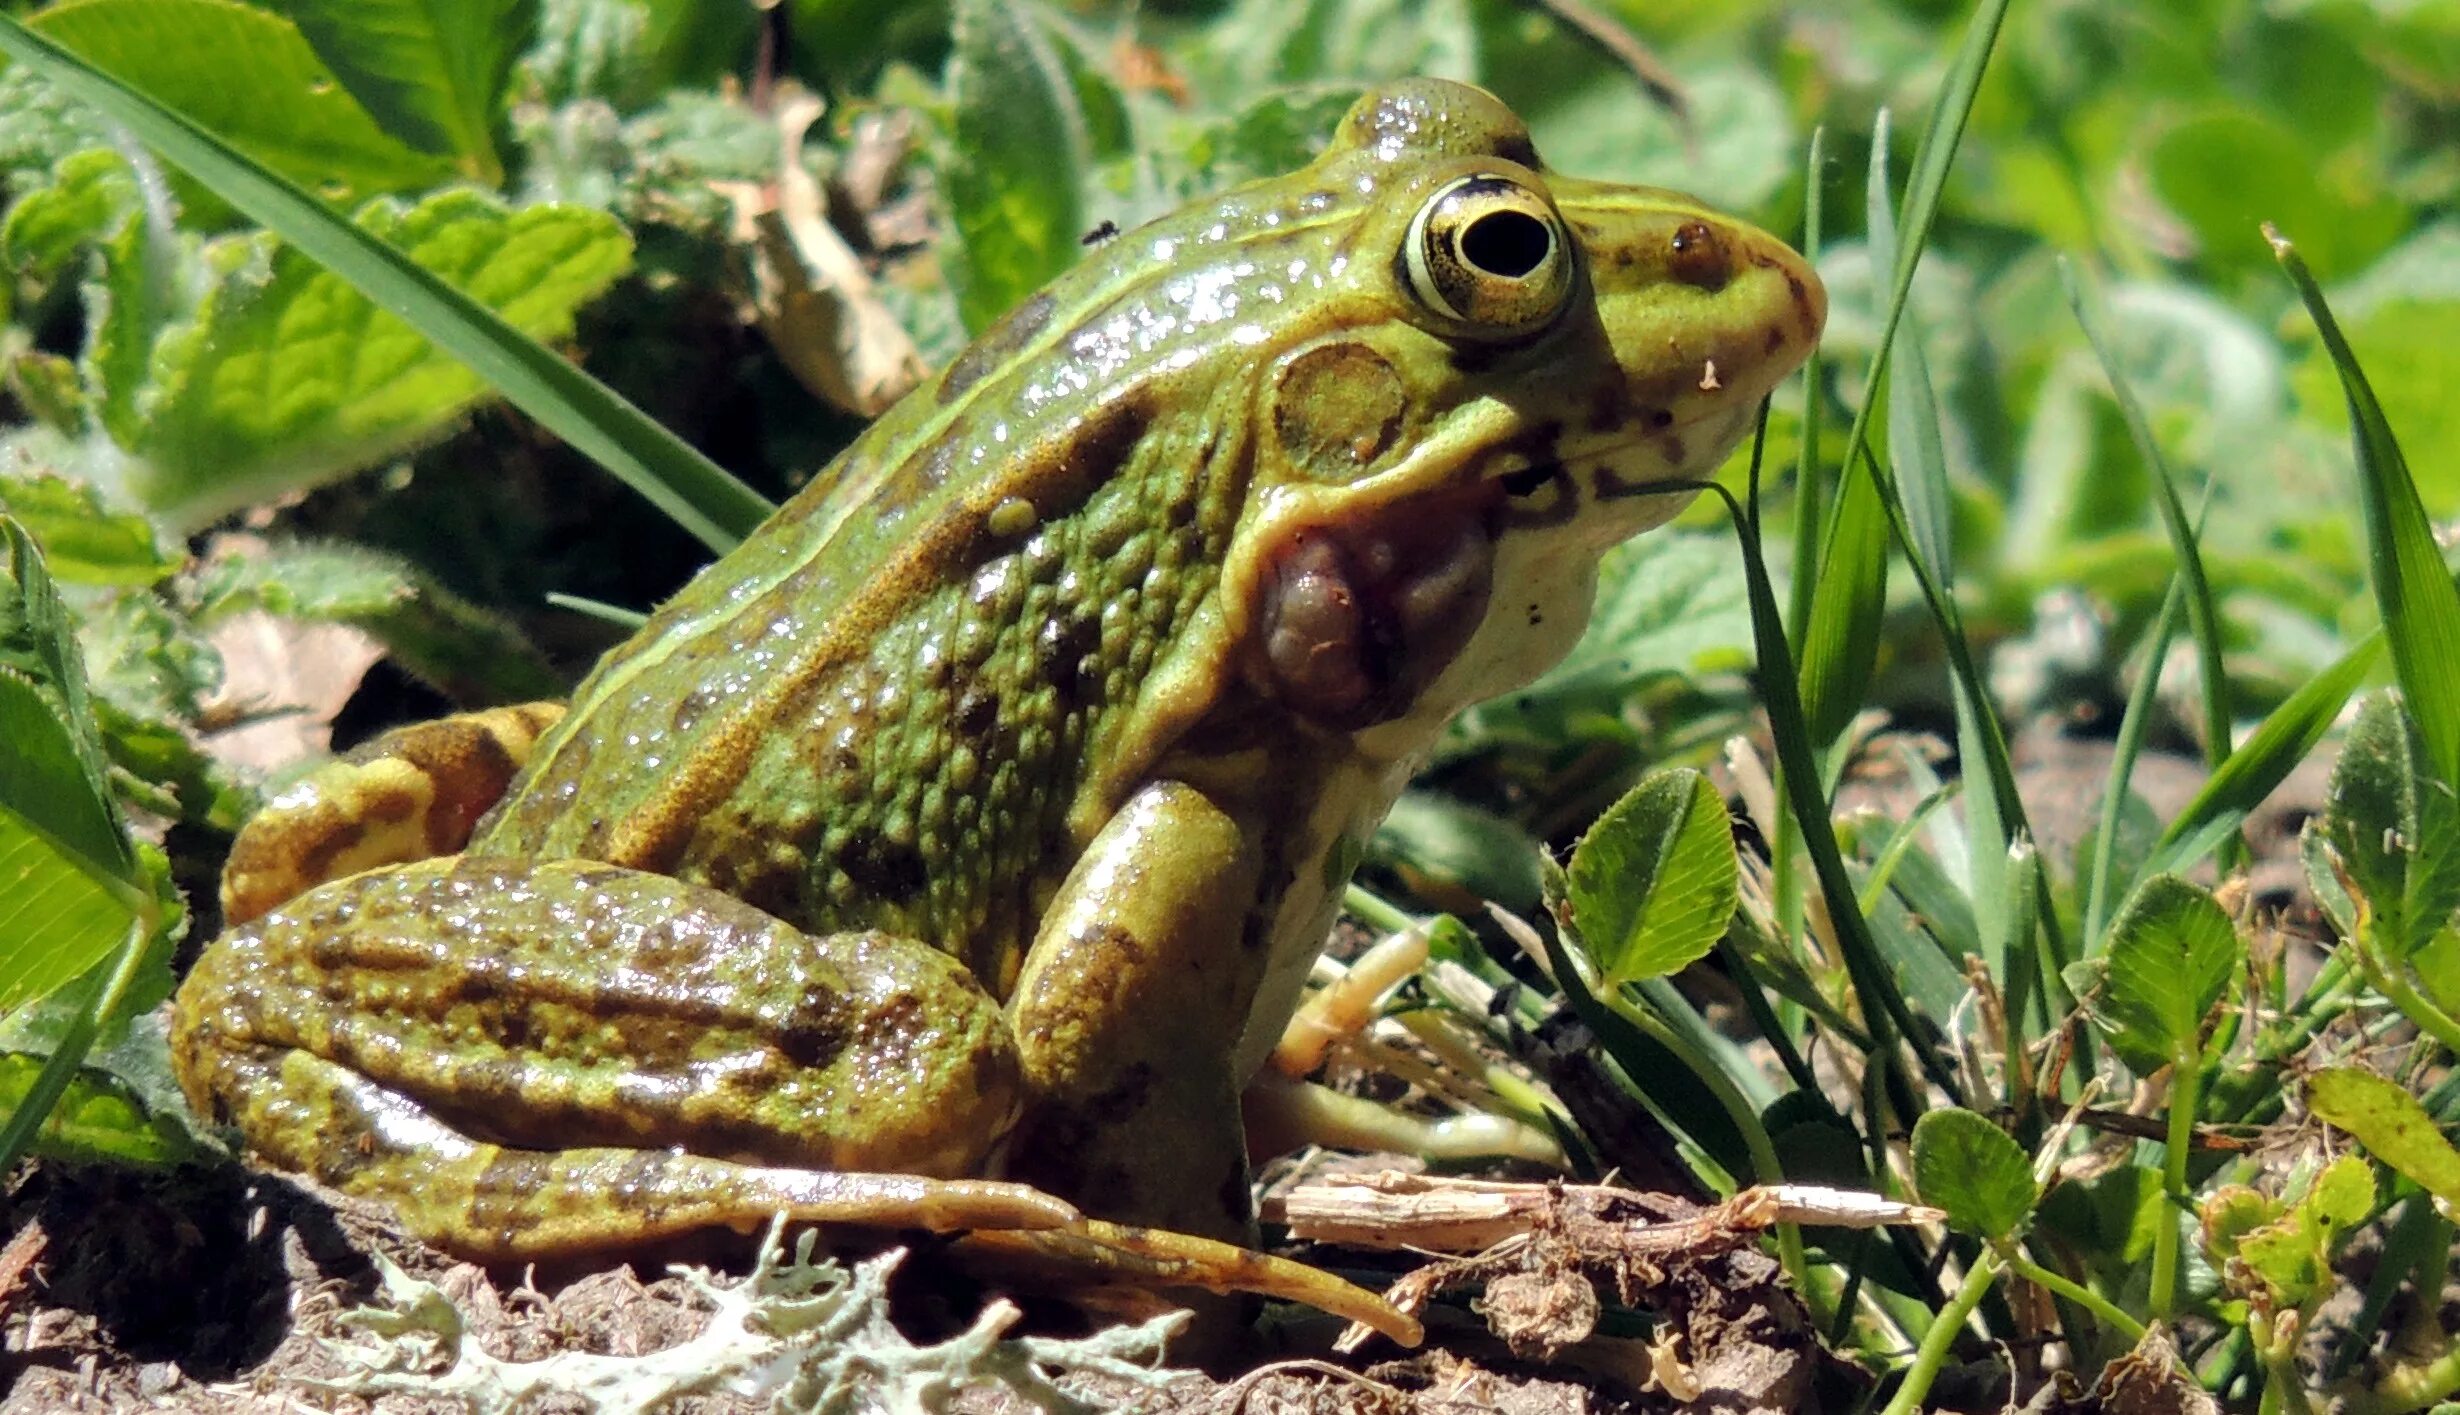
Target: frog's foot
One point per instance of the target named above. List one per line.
(412, 793)
(1155, 1257)
(497, 1203)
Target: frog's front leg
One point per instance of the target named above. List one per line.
(1126, 1016)
(531, 1059)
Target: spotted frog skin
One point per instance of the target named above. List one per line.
(951, 853)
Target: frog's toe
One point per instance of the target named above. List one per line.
(1155, 1257)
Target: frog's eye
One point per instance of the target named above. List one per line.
(1490, 253)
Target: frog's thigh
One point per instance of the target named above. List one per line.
(531, 1058)
(1129, 1008)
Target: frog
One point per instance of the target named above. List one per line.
(950, 853)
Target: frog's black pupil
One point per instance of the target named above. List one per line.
(1506, 243)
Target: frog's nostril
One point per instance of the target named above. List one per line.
(1700, 257)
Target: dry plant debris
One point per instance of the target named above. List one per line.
(802, 1334)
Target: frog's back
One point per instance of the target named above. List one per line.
(868, 713)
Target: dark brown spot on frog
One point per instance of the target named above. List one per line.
(1774, 341)
(317, 859)
(888, 871)
(688, 709)
(998, 344)
(1699, 257)
(1802, 300)
(1673, 449)
(1657, 419)
(977, 712)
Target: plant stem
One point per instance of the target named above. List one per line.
(2185, 1075)
(2077, 1293)
(1942, 1335)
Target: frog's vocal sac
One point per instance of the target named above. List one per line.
(951, 853)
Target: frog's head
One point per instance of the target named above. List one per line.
(1505, 363)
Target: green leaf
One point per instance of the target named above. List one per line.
(702, 498)
(287, 376)
(2264, 760)
(96, 1120)
(90, 193)
(2391, 1124)
(2420, 605)
(1964, 1164)
(84, 541)
(135, 286)
(1446, 848)
(2415, 365)
(1023, 149)
(467, 653)
(2230, 169)
(67, 872)
(2395, 832)
(1653, 882)
(2172, 952)
(51, 768)
(431, 71)
(2292, 1255)
(2204, 618)
(1840, 644)
(250, 77)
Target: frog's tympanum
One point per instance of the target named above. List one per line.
(951, 853)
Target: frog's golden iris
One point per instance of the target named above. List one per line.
(973, 824)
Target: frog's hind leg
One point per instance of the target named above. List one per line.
(413, 793)
(498, 1203)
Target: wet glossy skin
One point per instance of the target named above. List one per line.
(979, 816)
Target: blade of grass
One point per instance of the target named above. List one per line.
(2202, 617)
(2421, 607)
(1839, 636)
(2264, 760)
(700, 495)
(1785, 880)
(1883, 1005)
(2130, 744)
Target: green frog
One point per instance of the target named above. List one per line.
(951, 853)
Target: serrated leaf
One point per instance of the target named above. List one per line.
(2391, 1124)
(1023, 148)
(2172, 952)
(701, 496)
(292, 377)
(1653, 882)
(51, 768)
(2392, 829)
(431, 71)
(84, 541)
(133, 289)
(1964, 1164)
(90, 193)
(250, 77)
(467, 653)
